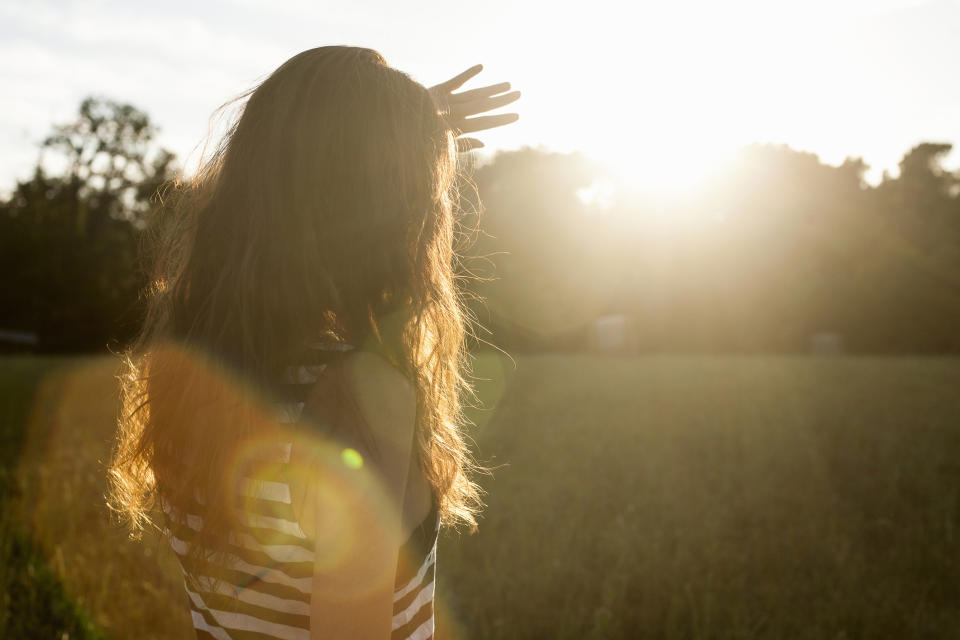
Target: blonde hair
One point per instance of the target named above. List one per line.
(325, 211)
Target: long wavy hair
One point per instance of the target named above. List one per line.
(326, 212)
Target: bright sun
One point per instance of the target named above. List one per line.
(681, 93)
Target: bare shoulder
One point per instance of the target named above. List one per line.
(384, 410)
(387, 402)
(379, 386)
(355, 516)
(385, 395)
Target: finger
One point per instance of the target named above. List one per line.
(468, 144)
(457, 81)
(487, 122)
(482, 92)
(483, 105)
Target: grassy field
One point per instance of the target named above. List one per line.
(662, 497)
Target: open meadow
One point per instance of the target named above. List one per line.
(657, 497)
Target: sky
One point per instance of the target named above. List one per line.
(661, 92)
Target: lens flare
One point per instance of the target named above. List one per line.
(352, 458)
(339, 503)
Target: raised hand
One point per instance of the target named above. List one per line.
(458, 107)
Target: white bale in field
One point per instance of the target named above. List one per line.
(826, 343)
(17, 341)
(609, 333)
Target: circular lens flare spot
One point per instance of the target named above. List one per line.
(352, 458)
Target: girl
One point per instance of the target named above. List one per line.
(293, 401)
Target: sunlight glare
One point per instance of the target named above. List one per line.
(687, 84)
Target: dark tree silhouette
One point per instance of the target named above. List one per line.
(68, 241)
(782, 247)
(779, 248)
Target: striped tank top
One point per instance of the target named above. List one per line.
(263, 585)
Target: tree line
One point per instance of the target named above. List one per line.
(772, 252)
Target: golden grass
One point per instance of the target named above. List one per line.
(62, 482)
(667, 497)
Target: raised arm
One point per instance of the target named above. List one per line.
(459, 107)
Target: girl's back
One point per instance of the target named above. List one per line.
(262, 585)
(325, 212)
